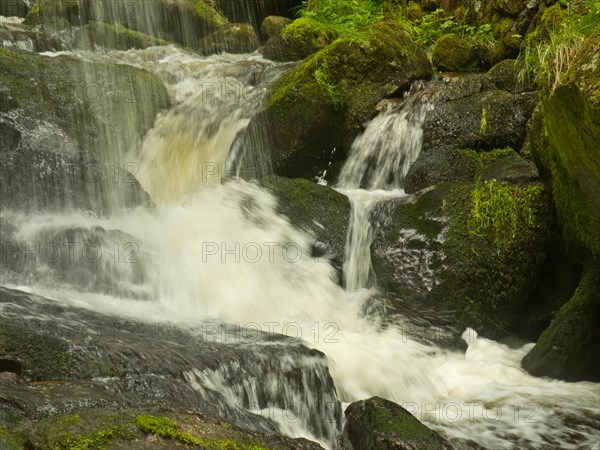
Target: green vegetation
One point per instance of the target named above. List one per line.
(502, 210)
(550, 51)
(343, 15)
(96, 440)
(169, 429)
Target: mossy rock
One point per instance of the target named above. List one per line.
(272, 26)
(26, 38)
(18, 8)
(112, 37)
(454, 54)
(319, 107)
(505, 76)
(316, 209)
(149, 429)
(571, 156)
(67, 162)
(567, 348)
(231, 38)
(181, 21)
(301, 38)
(379, 424)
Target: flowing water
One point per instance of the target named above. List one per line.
(212, 251)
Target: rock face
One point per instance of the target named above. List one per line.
(566, 148)
(318, 210)
(447, 253)
(63, 137)
(101, 365)
(181, 21)
(469, 113)
(299, 40)
(112, 37)
(319, 107)
(379, 424)
(18, 8)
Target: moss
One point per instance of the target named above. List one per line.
(114, 36)
(300, 39)
(322, 103)
(169, 429)
(487, 280)
(379, 424)
(207, 12)
(231, 38)
(51, 10)
(454, 54)
(7, 442)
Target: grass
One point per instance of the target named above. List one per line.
(548, 55)
(343, 15)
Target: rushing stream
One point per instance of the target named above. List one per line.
(211, 252)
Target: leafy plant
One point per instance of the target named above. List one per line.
(344, 15)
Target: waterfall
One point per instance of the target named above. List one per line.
(374, 171)
(219, 252)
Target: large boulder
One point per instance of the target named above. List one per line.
(181, 21)
(99, 363)
(301, 38)
(379, 424)
(565, 145)
(99, 34)
(318, 210)
(470, 251)
(453, 53)
(255, 11)
(67, 126)
(319, 107)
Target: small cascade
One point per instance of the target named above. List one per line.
(374, 171)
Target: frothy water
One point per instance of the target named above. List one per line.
(220, 252)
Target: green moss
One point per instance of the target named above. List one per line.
(7, 442)
(169, 429)
(501, 211)
(51, 10)
(454, 54)
(207, 12)
(96, 440)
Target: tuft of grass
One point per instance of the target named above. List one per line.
(546, 59)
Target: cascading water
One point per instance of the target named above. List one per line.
(374, 171)
(213, 252)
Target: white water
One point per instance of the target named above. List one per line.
(221, 252)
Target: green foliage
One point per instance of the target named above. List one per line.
(343, 15)
(434, 25)
(501, 210)
(169, 429)
(549, 52)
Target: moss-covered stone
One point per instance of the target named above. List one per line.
(231, 38)
(301, 38)
(113, 37)
(181, 21)
(505, 76)
(319, 210)
(89, 112)
(320, 105)
(454, 54)
(272, 25)
(572, 157)
(568, 349)
(379, 424)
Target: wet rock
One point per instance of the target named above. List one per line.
(20, 37)
(232, 38)
(272, 25)
(379, 424)
(184, 22)
(112, 37)
(505, 76)
(318, 210)
(74, 359)
(255, 11)
(69, 132)
(320, 106)
(18, 8)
